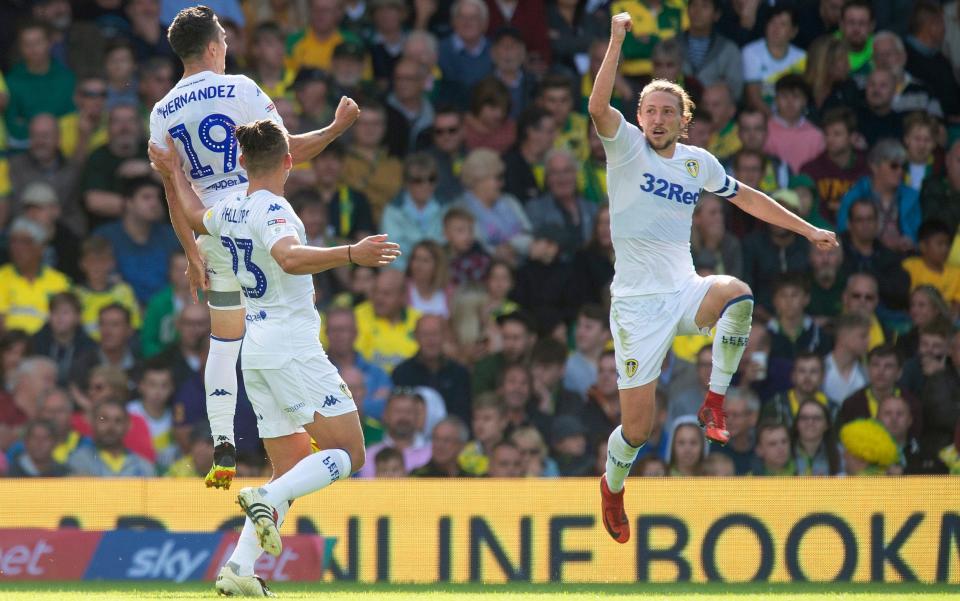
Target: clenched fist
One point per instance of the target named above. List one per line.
(346, 113)
(620, 25)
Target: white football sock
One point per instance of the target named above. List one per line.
(620, 456)
(311, 473)
(220, 383)
(733, 331)
(248, 550)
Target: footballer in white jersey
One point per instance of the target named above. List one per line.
(654, 184)
(200, 114)
(293, 388)
(198, 117)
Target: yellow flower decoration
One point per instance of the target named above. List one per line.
(870, 441)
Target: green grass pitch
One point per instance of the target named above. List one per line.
(116, 591)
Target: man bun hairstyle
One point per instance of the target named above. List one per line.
(263, 145)
(191, 30)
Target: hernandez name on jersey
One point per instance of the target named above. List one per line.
(200, 113)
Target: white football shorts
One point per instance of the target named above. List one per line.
(644, 327)
(285, 399)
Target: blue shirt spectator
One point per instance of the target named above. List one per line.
(141, 243)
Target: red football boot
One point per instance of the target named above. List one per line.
(614, 517)
(712, 419)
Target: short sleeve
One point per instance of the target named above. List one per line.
(156, 136)
(717, 181)
(277, 222)
(259, 106)
(751, 65)
(210, 221)
(623, 145)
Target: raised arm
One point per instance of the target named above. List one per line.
(304, 147)
(300, 259)
(767, 209)
(605, 116)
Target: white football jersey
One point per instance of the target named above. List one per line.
(651, 209)
(200, 113)
(282, 322)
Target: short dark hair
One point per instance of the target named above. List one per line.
(191, 30)
(132, 185)
(840, 114)
(555, 81)
(931, 228)
(923, 10)
(519, 317)
(268, 28)
(885, 350)
(864, 201)
(33, 24)
(387, 454)
(548, 351)
(864, 4)
(117, 307)
(156, 364)
(806, 356)
(793, 82)
(770, 426)
(458, 213)
(304, 198)
(530, 118)
(849, 321)
(593, 311)
(792, 279)
(66, 298)
(263, 144)
(780, 9)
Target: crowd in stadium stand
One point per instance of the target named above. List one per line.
(486, 351)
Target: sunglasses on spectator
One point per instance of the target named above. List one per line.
(431, 179)
(895, 165)
(862, 296)
(445, 130)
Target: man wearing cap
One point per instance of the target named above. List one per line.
(388, 37)
(39, 203)
(771, 251)
(26, 285)
(351, 73)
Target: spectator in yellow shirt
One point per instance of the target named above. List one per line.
(26, 285)
(103, 286)
(931, 266)
(313, 46)
(385, 325)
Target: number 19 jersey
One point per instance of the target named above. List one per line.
(282, 322)
(200, 113)
(652, 199)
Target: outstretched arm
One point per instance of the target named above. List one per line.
(607, 118)
(304, 147)
(299, 259)
(767, 209)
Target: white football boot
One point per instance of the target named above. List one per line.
(229, 584)
(264, 517)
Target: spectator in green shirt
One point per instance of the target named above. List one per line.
(38, 84)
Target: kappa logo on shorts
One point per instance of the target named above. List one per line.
(631, 366)
(274, 207)
(693, 167)
(330, 401)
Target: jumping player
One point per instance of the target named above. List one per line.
(654, 184)
(199, 113)
(294, 389)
